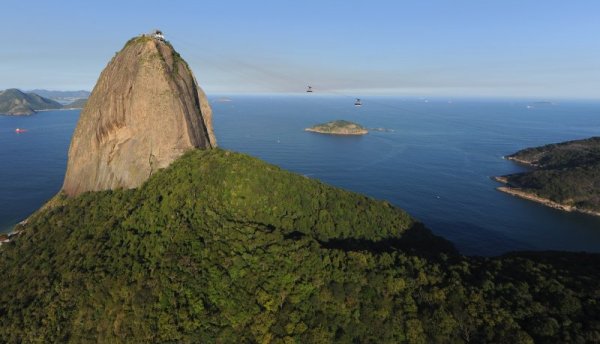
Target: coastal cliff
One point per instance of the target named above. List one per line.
(564, 176)
(145, 111)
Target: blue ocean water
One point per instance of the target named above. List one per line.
(434, 159)
(33, 163)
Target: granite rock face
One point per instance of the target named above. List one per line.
(145, 111)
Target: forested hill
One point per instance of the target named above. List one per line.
(568, 154)
(221, 247)
(566, 173)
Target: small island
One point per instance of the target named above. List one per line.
(339, 127)
(565, 176)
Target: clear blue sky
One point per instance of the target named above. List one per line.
(448, 48)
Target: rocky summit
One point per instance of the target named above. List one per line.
(145, 111)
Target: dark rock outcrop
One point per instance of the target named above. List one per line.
(145, 111)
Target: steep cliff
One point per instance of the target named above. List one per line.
(145, 111)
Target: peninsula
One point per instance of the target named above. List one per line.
(339, 127)
(565, 176)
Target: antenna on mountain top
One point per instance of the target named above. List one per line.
(157, 34)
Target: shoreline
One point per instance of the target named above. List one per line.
(331, 133)
(61, 109)
(535, 198)
(520, 161)
(37, 111)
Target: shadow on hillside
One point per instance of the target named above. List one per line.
(417, 240)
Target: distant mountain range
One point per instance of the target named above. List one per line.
(61, 94)
(18, 103)
(77, 104)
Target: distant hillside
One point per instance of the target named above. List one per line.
(78, 104)
(61, 94)
(63, 97)
(566, 175)
(16, 102)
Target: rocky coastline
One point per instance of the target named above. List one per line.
(530, 196)
(336, 133)
(521, 161)
(560, 175)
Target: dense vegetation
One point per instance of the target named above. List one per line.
(221, 247)
(562, 155)
(14, 101)
(567, 173)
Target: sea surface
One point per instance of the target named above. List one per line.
(432, 157)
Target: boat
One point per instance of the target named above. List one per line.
(309, 89)
(357, 102)
(19, 130)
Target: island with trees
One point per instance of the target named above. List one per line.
(339, 127)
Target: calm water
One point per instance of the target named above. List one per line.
(435, 161)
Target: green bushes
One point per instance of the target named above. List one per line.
(221, 247)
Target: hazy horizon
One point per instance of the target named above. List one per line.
(367, 95)
(511, 49)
